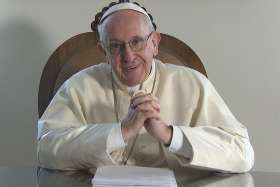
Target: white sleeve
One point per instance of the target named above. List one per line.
(179, 143)
(215, 140)
(67, 142)
(115, 139)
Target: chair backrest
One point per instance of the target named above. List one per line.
(81, 51)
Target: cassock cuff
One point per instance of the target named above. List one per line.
(115, 139)
(180, 143)
(177, 139)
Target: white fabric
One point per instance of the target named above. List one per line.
(78, 129)
(123, 6)
(177, 140)
(115, 139)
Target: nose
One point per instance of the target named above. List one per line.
(127, 54)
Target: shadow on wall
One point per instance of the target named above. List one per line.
(23, 53)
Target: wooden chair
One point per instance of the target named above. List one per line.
(81, 51)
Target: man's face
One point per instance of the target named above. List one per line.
(131, 66)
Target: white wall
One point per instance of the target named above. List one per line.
(237, 41)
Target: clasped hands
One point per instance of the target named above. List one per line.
(144, 111)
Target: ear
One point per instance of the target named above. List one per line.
(156, 37)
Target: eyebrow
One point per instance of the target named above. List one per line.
(116, 40)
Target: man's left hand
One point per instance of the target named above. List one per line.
(159, 130)
(155, 126)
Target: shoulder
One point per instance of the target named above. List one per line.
(183, 73)
(91, 76)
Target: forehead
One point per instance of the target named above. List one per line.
(125, 24)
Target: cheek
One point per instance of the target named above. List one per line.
(149, 56)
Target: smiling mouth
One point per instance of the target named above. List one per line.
(131, 68)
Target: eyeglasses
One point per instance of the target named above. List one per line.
(137, 43)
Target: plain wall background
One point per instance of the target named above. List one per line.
(238, 42)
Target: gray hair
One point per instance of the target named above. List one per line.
(103, 32)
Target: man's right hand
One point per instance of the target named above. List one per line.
(141, 108)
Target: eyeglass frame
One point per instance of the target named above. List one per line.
(121, 45)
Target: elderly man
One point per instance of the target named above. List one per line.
(135, 110)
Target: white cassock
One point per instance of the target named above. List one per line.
(79, 129)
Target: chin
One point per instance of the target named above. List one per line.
(132, 80)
